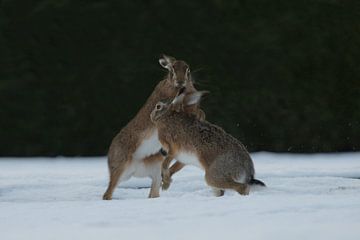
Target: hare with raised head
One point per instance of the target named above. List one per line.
(226, 161)
(135, 150)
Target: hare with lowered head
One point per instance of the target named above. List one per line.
(226, 161)
(135, 150)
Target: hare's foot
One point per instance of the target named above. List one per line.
(243, 189)
(166, 183)
(107, 196)
(154, 195)
(154, 191)
(218, 192)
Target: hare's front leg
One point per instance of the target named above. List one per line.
(165, 172)
(177, 166)
(168, 172)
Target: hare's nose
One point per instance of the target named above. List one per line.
(180, 84)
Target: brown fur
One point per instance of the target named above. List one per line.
(127, 141)
(226, 162)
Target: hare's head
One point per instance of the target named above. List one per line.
(161, 108)
(179, 71)
(180, 102)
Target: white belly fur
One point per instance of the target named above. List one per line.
(137, 168)
(189, 158)
(147, 147)
(140, 170)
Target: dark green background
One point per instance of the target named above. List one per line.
(284, 75)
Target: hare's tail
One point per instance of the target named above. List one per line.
(254, 181)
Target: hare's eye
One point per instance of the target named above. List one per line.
(158, 107)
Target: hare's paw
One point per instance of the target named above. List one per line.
(218, 192)
(166, 181)
(243, 189)
(107, 196)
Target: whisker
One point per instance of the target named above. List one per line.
(201, 82)
(197, 70)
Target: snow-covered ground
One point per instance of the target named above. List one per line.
(308, 197)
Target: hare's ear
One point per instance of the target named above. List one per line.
(166, 61)
(178, 99)
(194, 98)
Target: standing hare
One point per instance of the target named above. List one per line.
(226, 161)
(135, 150)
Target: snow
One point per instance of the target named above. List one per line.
(308, 197)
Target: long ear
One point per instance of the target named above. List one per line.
(166, 61)
(178, 99)
(194, 98)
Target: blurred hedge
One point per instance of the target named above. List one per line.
(284, 75)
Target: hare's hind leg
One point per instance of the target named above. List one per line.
(117, 168)
(153, 164)
(155, 185)
(115, 175)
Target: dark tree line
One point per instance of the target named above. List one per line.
(283, 75)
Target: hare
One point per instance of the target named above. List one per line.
(135, 150)
(226, 161)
